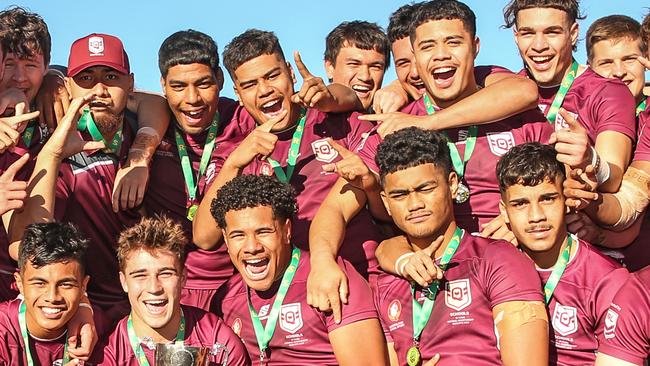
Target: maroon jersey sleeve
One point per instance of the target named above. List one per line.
(613, 109)
(360, 305)
(63, 190)
(483, 72)
(367, 151)
(603, 294)
(359, 132)
(642, 151)
(10, 346)
(378, 300)
(508, 275)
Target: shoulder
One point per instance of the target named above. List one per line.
(9, 316)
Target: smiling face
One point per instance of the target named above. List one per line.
(25, 74)
(264, 86)
(192, 94)
(617, 59)
(153, 282)
(51, 294)
(258, 244)
(545, 39)
(444, 55)
(362, 70)
(407, 73)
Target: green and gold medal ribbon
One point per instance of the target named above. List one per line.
(87, 123)
(28, 134)
(551, 116)
(265, 333)
(470, 142)
(293, 152)
(22, 322)
(558, 270)
(186, 164)
(137, 347)
(422, 313)
(641, 107)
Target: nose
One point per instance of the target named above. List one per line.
(539, 42)
(536, 213)
(20, 73)
(414, 202)
(264, 88)
(53, 294)
(100, 90)
(192, 96)
(252, 245)
(153, 285)
(413, 72)
(619, 70)
(363, 73)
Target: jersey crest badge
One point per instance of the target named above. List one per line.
(291, 317)
(458, 295)
(610, 324)
(394, 310)
(265, 169)
(209, 172)
(323, 151)
(500, 142)
(96, 46)
(565, 320)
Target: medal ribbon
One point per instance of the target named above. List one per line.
(421, 313)
(87, 123)
(186, 164)
(28, 134)
(137, 347)
(470, 143)
(22, 322)
(641, 107)
(558, 270)
(262, 333)
(561, 93)
(293, 152)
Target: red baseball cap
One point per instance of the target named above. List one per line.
(97, 49)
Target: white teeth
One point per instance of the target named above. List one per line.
(269, 104)
(443, 70)
(541, 58)
(254, 261)
(155, 302)
(360, 88)
(194, 113)
(51, 311)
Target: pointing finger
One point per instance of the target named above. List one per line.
(302, 69)
(10, 173)
(268, 125)
(340, 148)
(573, 123)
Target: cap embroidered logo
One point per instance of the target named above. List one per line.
(96, 46)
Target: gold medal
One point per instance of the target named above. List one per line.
(191, 212)
(413, 356)
(462, 193)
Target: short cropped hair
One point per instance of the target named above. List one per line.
(399, 23)
(614, 27)
(52, 242)
(188, 47)
(359, 34)
(570, 7)
(411, 147)
(444, 10)
(249, 45)
(24, 34)
(529, 164)
(248, 191)
(645, 30)
(150, 234)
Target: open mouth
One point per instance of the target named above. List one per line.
(256, 268)
(443, 77)
(52, 313)
(541, 63)
(156, 307)
(272, 108)
(419, 86)
(362, 90)
(193, 117)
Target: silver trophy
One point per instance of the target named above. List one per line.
(180, 355)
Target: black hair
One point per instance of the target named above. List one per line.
(52, 242)
(247, 191)
(399, 23)
(24, 34)
(529, 164)
(188, 47)
(360, 34)
(441, 10)
(411, 147)
(570, 7)
(249, 45)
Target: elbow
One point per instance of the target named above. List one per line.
(529, 93)
(204, 239)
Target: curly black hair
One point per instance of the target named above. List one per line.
(249, 45)
(411, 147)
(248, 191)
(52, 242)
(528, 164)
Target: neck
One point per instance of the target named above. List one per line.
(446, 231)
(547, 259)
(165, 334)
(561, 74)
(639, 98)
(36, 331)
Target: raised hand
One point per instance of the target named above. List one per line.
(421, 266)
(313, 91)
(352, 168)
(580, 188)
(260, 143)
(327, 287)
(498, 229)
(394, 121)
(52, 99)
(10, 126)
(572, 144)
(13, 193)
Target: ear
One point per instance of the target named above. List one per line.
(516, 34)
(125, 287)
(453, 184)
(220, 78)
(84, 283)
(293, 75)
(131, 83)
(66, 82)
(384, 199)
(502, 209)
(19, 282)
(183, 277)
(574, 32)
(234, 88)
(329, 70)
(477, 46)
(162, 85)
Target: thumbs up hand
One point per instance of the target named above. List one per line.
(572, 144)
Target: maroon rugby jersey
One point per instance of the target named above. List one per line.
(313, 184)
(167, 194)
(202, 329)
(83, 197)
(600, 104)
(626, 330)
(301, 334)
(482, 274)
(579, 303)
(492, 142)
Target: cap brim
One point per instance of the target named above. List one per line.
(82, 67)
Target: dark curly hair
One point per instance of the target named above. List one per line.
(188, 47)
(399, 23)
(528, 164)
(249, 45)
(247, 191)
(24, 34)
(52, 242)
(411, 147)
(359, 34)
(441, 10)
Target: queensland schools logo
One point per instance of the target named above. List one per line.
(610, 324)
(458, 295)
(501, 142)
(324, 151)
(96, 46)
(291, 317)
(565, 320)
(394, 310)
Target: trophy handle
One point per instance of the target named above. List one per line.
(220, 348)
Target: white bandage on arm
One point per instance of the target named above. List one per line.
(400, 263)
(633, 196)
(601, 166)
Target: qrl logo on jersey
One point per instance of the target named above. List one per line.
(291, 317)
(236, 326)
(209, 172)
(500, 142)
(560, 123)
(266, 170)
(610, 324)
(96, 46)
(565, 320)
(324, 151)
(394, 310)
(459, 294)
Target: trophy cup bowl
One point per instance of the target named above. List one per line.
(180, 355)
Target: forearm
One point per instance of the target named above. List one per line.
(389, 251)
(377, 208)
(343, 100)
(153, 120)
(615, 149)
(620, 239)
(326, 233)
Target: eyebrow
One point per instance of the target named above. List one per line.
(275, 69)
